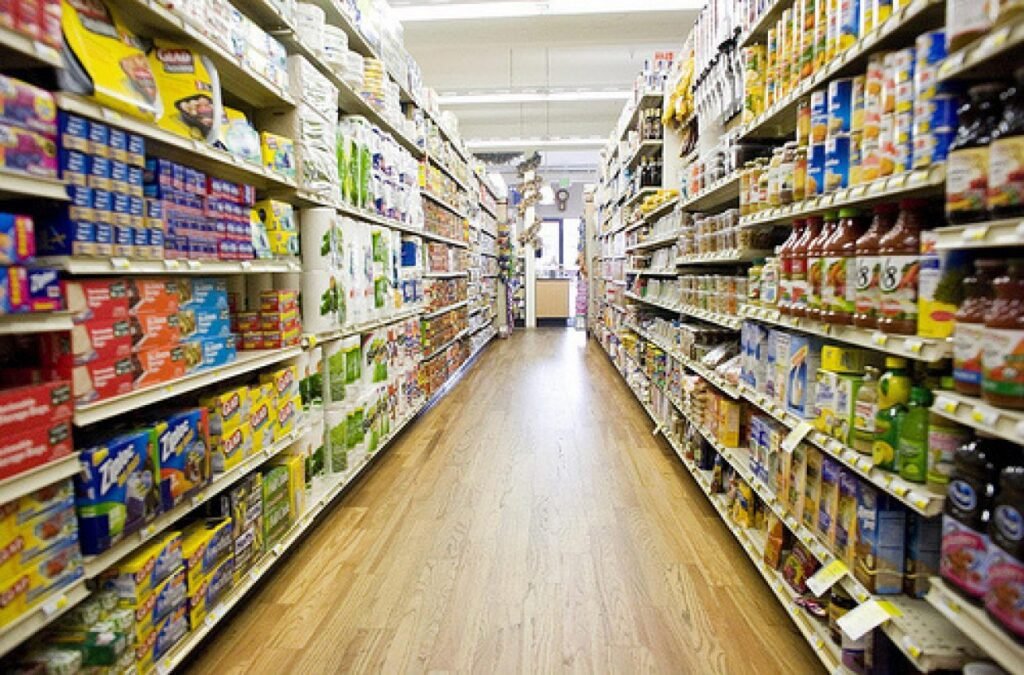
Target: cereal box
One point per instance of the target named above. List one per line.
(117, 491)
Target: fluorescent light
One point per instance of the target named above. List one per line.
(533, 97)
(528, 143)
(513, 10)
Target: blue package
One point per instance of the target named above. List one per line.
(62, 235)
(124, 241)
(135, 175)
(205, 324)
(116, 491)
(169, 595)
(837, 162)
(102, 204)
(136, 150)
(99, 139)
(118, 145)
(99, 173)
(74, 167)
(81, 199)
(73, 130)
(938, 112)
(203, 293)
(118, 176)
(184, 455)
(205, 354)
(44, 292)
(840, 105)
(120, 204)
(104, 238)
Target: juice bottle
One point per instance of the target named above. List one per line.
(968, 160)
(900, 251)
(969, 328)
(868, 266)
(912, 451)
(893, 394)
(798, 280)
(840, 268)
(1004, 600)
(816, 266)
(944, 437)
(786, 266)
(1002, 380)
(964, 559)
(1006, 155)
(865, 408)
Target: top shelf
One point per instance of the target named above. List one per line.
(20, 51)
(994, 52)
(759, 31)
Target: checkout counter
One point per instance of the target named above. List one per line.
(554, 295)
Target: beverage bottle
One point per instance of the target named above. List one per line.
(816, 266)
(967, 165)
(912, 451)
(893, 395)
(786, 266)
(964, 558)
(900, 251)
(865, 409)
(1005, 594)
(1002, 378)
(944, 437)
(867, 296)
(798, 278)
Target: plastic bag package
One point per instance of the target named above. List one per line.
(315, 150)
(308, 85)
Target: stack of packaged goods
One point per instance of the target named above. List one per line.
(440, 330)
(28, 120)
(275, 231)
(36, 20)
(441, 293)
(276, 325)
(443, 152)
(376, 173)
(444, 259)
(441, 221)
(24, 289)
(440, 185)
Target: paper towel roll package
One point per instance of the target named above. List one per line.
(321, 302)
(336, 431)
(335, 374)
(319, 230)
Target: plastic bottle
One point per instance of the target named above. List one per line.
(969, 328)
(770, 283)
(1006, 565)
(967, 163)
(1002, 381)
(799, 281)
(867, 296)
(816, 266)
(912, 451)
(1006, 155)
(865, 408)
(786, 266)
(893, 395)
(900, 252)
(944, 437)
(840, 268)
(964, 559)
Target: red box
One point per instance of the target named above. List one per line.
(156, 366)
(35, 405)
(252, 341)
(153, 296)
(96, 381)
(150, 331)
(247, 322)
(90, 299)
(278, 301)
(96, 340)
(34, 447)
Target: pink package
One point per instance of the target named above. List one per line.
(27, 151)
(26, 106)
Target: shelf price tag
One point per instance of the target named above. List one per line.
(120, 264)
(868, 616)
(947, 405)
(984, 415)
(54, 605)
(976, 233)
(798, 434)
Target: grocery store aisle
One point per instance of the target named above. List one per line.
(528, 523)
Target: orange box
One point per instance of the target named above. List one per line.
(150, 331)
(159, 365)
(153, 296)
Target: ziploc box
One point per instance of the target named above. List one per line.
(205, 544)
(184, 446)
(116, 492)
(44, 294)
(208, 294)
(209, 590)
(137, 575)
(17, 239)
(881, 522)
(800, 370)
(214, 353)
(89, 299)
(204, 324)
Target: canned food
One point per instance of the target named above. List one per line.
(816, 170)
(803, 122)
(870, 160)
(935, 113)
(837, 162)
(930, 48)
(932, 147)
(859, 102)
(902, 126)
(904, 80)
(883, 10)
(856, 140)
(887, 143)
(849, 23)
(903, 158)
(819, 115)
(840, 105)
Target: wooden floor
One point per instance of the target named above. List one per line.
(530, 523)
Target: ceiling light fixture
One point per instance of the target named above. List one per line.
(532, 97)
(513, 10)
(547, 143)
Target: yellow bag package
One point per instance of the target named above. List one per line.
(189, 89)
(105, 60)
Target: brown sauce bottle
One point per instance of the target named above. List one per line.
(840, 282)
(816, 266)
(900, 252)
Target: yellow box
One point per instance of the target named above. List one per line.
(152, 607)
(812, 487)
(229, 448)
(844, 359)
(285, 382)
(729, 423)
(262, 420)
(278, 153)
(159, 640)
(287, 417)
(283, 243)
(137, 575)
(205, 544)
(275, 215)
(825, 383)
(210, 590)
(296, 466)
(227, 408)
(21, 546)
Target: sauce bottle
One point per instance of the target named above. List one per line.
(786, 266)
(816, 266)
(1004, 600)
(799, 282)
(900, 253)
(893, 394)
(944, 437)
(1002, 380)
(967, 163)
(867, 296)
(865, 408)
(969, 327)
(964, 557)
(840, 268)
(1006, 155)
(912, 450)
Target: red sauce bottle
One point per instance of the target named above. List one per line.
(786, 257)
(867, 296)
(799, 281)
(900, 251)
(816, 266)
(839, 284)
(1002, 382)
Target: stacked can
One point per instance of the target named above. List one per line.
(805, 21)
(934, 116)
(771, 82)
(838, 143)
(874, 109)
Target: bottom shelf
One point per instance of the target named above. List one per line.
(976, 624)
(322, 496)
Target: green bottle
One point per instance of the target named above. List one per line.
(893, 394)
(912, 451)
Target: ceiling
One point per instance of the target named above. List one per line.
(601, 49)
